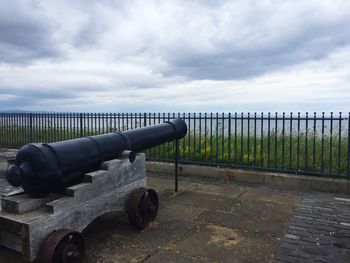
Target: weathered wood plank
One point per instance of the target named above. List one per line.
(11, 240)
(101, 192)
(23, 203)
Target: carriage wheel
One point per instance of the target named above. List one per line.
(63, 246)
(142, 207)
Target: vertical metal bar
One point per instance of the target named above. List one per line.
(168, 142)
(276, 132)
(95, 123)
(44, 125)
(6, 129)
(229, 139)
(184, 139)
(17, 132)
(70, 127)
(291, 140)
(1, 130)
(24, 130)
(306, 140)
(217, 138)
(66, 117)
(331, 145)
(17, 129)
(8, 132)
(18, 135)
(131, 120)
(84, 123)
(262, 140)
(24, 125)
(348, 160)
(163, 157)
(235, 137)
(159, 152)
(298, 144)
(205, 136)
(115, 121)
(61, 127)
(223, 138)
(127, 121)
(123, 125)
(268, 138)
(189, 137)
(254, 139)
(211, 137)
(200, 137)
(248, 138)
(154, 123)
(51, 128)
(13, 129)
(242, 143)
(177, 152)
(339, 142)
(322, 144)
(35, 129)
(194, 136)
(314, 145)
(30, 127)
(81, 125)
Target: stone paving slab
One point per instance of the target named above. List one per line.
(319, 231)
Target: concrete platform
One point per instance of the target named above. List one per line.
(274, 180)
(204, 222)
(214, 221)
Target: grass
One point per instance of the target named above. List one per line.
(274, 151)
(268, 151)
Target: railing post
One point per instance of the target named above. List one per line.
(81, 125)
(177, 153)
(144, 119)
(348, 161)
(30, 127)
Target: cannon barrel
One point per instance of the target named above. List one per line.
(43, 168)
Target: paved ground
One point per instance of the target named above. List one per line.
(319, 231)
(218, 222)
(204, 222)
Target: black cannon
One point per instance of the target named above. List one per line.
(44, 168)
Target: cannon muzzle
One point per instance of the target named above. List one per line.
(43, 168)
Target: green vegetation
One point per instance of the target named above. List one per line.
(274, 151)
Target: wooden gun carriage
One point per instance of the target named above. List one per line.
(66, 185)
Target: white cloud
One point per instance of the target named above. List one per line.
(175, 55)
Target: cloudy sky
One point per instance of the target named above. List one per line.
(166, 56)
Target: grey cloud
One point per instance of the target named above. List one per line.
(40, 93)
(25, 32)
(313, 43)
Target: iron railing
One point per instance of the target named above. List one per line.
(313, 144)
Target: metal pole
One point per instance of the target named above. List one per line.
(348, 160)
(30, 127)
(177, 152)
(81, 124)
